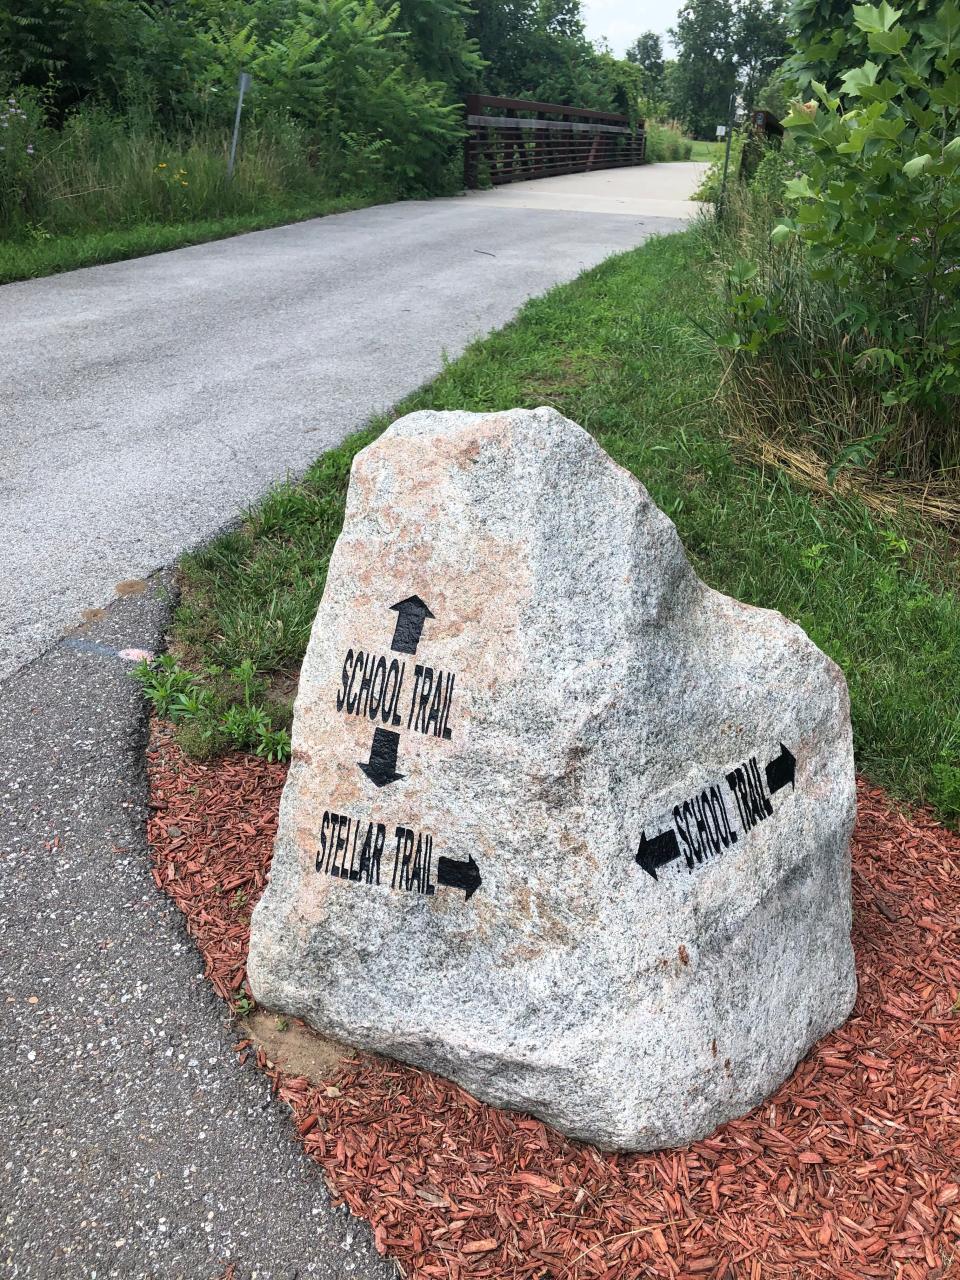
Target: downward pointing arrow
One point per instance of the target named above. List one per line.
(460, 875)
(663, 848)
(412, 613)
(781, 770)
(381, 768)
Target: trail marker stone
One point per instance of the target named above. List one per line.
(562, 823)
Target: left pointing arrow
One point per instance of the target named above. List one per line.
(658, 851)
(381, 768)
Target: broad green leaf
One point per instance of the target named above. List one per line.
(888, 41)
(944, 32)
(918, 59)
(798, 119)
(889, 128)
(885, 91)
(922, 116)
(827, 98)
(865, 232)
(781, 233)
(809, 214)
(799, 188)
(948, 93)
(879, 17)
(917, 165)
(856, 80)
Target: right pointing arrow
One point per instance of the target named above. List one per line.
(781, 770)
(460, 875)
(411, 614)
(663, 848)
(381, 768)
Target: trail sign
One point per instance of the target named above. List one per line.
(536, 760)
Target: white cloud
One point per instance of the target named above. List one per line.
(621, 21)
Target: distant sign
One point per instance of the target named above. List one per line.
(721, 130)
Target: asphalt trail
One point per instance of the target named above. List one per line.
(144, 404)
(131, 1143)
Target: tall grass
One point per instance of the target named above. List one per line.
(666, 141)
(798, 375)
(103, 171)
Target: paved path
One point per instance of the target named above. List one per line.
(132, 1145)
(146, 402)
(142, 405)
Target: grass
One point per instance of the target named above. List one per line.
(107, 186)
(46, 255)
(619, 350)
(707, 150)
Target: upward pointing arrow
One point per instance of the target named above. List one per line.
(411, 615)
(781, 770)
(381, 768)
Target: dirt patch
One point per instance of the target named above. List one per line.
(294, 1047)
(851, 1171)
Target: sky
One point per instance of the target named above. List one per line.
(621, 21)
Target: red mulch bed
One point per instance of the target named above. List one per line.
(851, 1170)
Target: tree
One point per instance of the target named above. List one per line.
(646, 52)
(759, 45)
(438, 43)
(705, 73)
(537, 49)
(723, 48)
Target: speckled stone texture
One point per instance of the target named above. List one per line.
(580, 841)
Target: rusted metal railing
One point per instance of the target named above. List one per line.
(511, 139)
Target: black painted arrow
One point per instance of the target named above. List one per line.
(460, 875)
(381, 768)
(663, 848)
(412, 613)
(781, 770)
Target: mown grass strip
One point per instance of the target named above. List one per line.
(49, 255)
(619, 351)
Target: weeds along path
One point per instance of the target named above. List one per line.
(145, 403)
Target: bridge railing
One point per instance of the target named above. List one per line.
(511, 139)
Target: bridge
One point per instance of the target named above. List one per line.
(512, 140)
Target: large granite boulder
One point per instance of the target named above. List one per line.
(562, 823)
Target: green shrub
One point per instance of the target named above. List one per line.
(877, 207)
(790, 380)
(335, 107)
(105, 169)
(666, 141)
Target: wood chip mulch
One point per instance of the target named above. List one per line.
(850, 1171)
